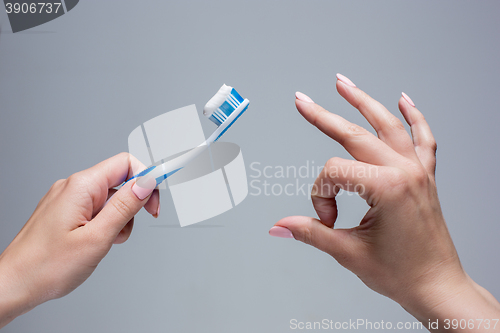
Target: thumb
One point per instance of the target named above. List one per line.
(339, 243)
(122, 207)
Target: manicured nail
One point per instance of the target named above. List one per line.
(158, 210)
(408, 99)
(303, 97)
(143, 187)
(280, 232)
(345, 80)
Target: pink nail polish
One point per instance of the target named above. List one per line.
(280, 232)
(143, 187)
(303, 97)
(158, 210)
(408, 99)
(345, 80)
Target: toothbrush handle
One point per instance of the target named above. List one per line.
(161, 172)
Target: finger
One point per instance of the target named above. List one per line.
(153, 204)
(108, 174)
(423, 140)
(388, 127)
(152, 207)
(121, 208)
(111, 192)
(115, 170)
(337, 242)
(124, 234)
(340, 174)
(361, 144)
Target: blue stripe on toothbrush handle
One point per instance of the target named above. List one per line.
(160, 179)
(142, 173)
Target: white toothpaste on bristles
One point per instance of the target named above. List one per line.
(217, 100)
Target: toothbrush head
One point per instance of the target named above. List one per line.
(224, 108)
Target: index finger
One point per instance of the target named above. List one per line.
(388, 127)
(361, 144)
(115, 170)
(108, 174)
(340, 174)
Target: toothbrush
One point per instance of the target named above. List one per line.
(223, 109)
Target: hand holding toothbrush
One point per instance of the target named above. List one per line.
(402, 247)
(71, 230)
(78, 220)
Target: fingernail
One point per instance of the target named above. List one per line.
(408, 99)
(280, 232)
(345, 80)
(158, 210)
(303, 97)
(143, 187)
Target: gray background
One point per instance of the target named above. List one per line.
(72, 90)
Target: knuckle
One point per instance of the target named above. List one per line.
(409, 180)
(398, 182)
(306, 233)
(308, 236)
(396, 124)
(420, 177)
(419, 117)
(332, 163)
(353, 130)
(77, 180)
(399, 179)
(416, 173)
(59, 184)
(121, 207)
(125, 156)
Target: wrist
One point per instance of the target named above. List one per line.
(428, 301)
(14, 299)
(457, 298)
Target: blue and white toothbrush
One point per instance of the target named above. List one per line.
(223, 109)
